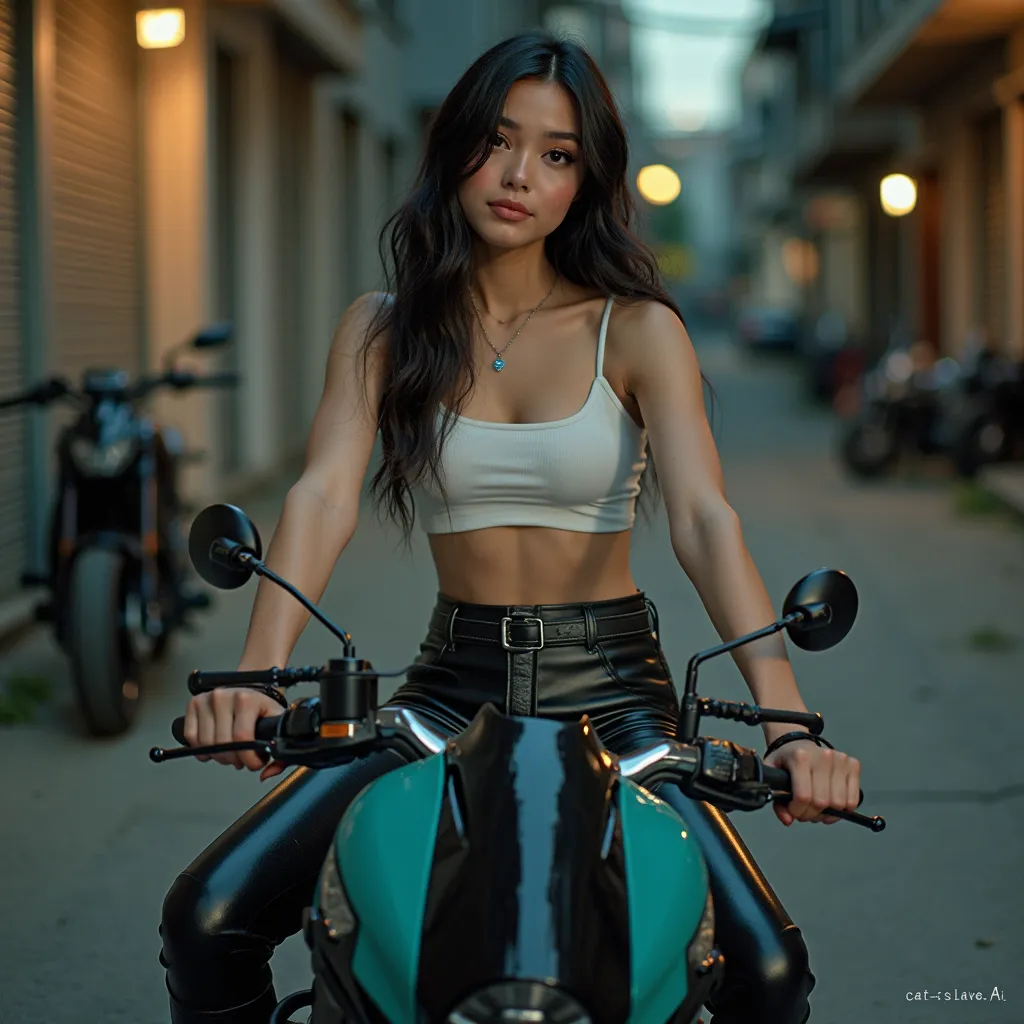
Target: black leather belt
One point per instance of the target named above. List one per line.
(523, 631)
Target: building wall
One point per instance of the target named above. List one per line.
(1013, 122)
(14, 496)
(448, 35)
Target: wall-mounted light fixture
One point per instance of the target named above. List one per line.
(898, 194)
(658, 184)
(159, 29)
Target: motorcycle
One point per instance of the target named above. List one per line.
(988, 415)
(117, 574)
(902, 405)
(598, 907)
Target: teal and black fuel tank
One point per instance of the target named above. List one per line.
(516, 871)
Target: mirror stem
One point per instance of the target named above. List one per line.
(688, 723)
(261, 570)
(237, 556)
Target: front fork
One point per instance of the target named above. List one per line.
(149, 576)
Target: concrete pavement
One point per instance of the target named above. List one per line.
(93, 833)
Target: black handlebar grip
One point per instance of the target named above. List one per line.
(811, 719)
(266, 728)
(777, 778)
(178, 730)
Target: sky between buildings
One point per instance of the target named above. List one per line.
(688, 54)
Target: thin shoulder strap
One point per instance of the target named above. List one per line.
(604, 333)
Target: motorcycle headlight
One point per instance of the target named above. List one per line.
(704, 938)
(93, 459)
(332, 902)
(526, 1001)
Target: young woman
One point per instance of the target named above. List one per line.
(523, 365)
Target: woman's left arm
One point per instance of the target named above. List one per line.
(663, 375)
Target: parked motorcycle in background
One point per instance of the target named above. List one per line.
(902, 406)
(117, 567)
(987, 418)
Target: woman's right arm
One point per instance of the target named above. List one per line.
(319, 518)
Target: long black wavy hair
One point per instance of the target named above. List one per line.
(429, 362)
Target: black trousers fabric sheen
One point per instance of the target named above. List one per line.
(226, 913)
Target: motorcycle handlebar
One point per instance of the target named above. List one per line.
(182, 379)
(225, 379)
(266, 728)
(42, 394)
(777, 779)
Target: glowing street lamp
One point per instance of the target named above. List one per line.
(658, 184)
(160, 29)
(898, 194)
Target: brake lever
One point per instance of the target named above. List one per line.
(158, 754)
(874, 822)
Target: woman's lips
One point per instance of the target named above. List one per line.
(506, 213)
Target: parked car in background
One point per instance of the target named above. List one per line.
(767, 328)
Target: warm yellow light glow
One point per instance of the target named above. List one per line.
(899, 194)
(658, 184)
(158, 30)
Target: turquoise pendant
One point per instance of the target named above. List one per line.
(499, 364)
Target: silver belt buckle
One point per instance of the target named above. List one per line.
(524, 619)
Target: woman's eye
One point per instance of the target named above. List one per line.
(567, 158)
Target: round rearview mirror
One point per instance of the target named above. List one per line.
(828, 587)
(230, 523)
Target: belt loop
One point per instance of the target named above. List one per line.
(451, 627)
(590, 620)
(652, 616)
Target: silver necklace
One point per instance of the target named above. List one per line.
(499, 363)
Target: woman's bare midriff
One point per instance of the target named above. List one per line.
(532, 565)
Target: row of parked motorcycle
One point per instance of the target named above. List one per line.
(117, 583)
(971, 410)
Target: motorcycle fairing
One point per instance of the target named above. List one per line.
(528, 878)
(385, 846)
(667, 882)
(517, 854)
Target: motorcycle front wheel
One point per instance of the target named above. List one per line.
(103, 664)
(869, 448)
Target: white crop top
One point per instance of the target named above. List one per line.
(580, 473)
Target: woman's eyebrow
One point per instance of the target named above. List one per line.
(507, 122)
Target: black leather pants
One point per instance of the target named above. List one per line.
(245, 893)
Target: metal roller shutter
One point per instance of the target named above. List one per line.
(13, 500)
(96, 246)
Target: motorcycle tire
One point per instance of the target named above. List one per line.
(103, 665)
(981, 443)
(868, 449)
